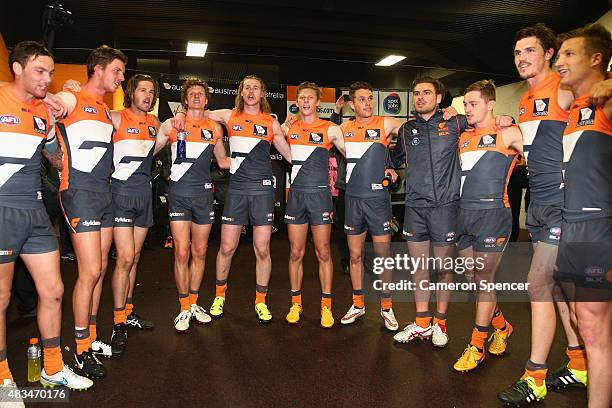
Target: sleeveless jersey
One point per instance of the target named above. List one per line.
(86, 140)
(587, 163)
(190, 177)
(310, 147)
(486, 166)
(133, 153)
(250, 137)
(23, 131)
(366, 154)
(542, 122)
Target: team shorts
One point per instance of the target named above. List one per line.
(435, 224)
(25, 232)
(87, 211)
(243, 209)
(544, 223)
(314, 208)
(484, 230)
(130, 211)
(367, 214)
(198, 210)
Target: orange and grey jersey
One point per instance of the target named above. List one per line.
(310, 147)
(486, 166)
(133, 153)
(587, 163)
(86, 137)
(23, 131)
(250, 137)
(190, 177)
(366, 157)
(542, 122)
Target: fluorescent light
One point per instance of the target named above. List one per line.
(196, 49)
(390, 60)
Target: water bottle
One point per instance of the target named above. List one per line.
(34, 365)
(181, 146)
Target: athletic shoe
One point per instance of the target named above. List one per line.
(499, 340)
(565, 376)
(389, 319)
(89, 364)
(439, 337)
(294, 313)
(263, 313)
(353, 314)
(523, 392)
(469, 360)
(216, 310)
(100, 348)
(138, 322)
(119, 339)
(327, 318)
(199, 314)
(181, 322)
(5, 389)
(411, 332)
(67, 378)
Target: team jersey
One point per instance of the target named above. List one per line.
(366, 157)
(23, 131)
(250, 137)
(587, 161)
(190, 177)
(486, 166)
(310, 147)
(86, 139)
(542, 122)
(133, 153)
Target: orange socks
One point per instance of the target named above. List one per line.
(119, 316)
(184, 301)
(440, 319)
(93, 326)
(358, 299)
(386, 303)
(537, 371)
(577, 358)
(296, 297)
(129, 306)
(220, 288)
(479, 335)
(52, 355)
(260, 294)
(326, 300)
(498, 321)
(193, 297)
(5, 372)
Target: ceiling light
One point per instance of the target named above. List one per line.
(390, 60)
(196, 49)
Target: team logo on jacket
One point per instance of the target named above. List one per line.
(372, 134)
(133, 131)
(316, 138)
(40, 125)
(206, 134)
(488, 141)
(587, 116)
(415, 141)
(540, 107)
(152, 131)
(259, 130)
(90, 109)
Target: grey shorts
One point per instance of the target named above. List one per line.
(367, 214)
(544, 222)
(484, 230)
(130, 211)
(314, 208)
(25, 232)
(435, 224)
(198, 210)
(87, 211)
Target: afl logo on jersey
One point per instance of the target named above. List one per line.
(294, 136)
(237, 128)
(152, 131)
(40, 125)
(206, 134)
(372, 134)
(540, 107)
(522, 111)
(90, 109)
(9, 120)
(348, 134)
(316, 138)
(259, 130)
(133, 131)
